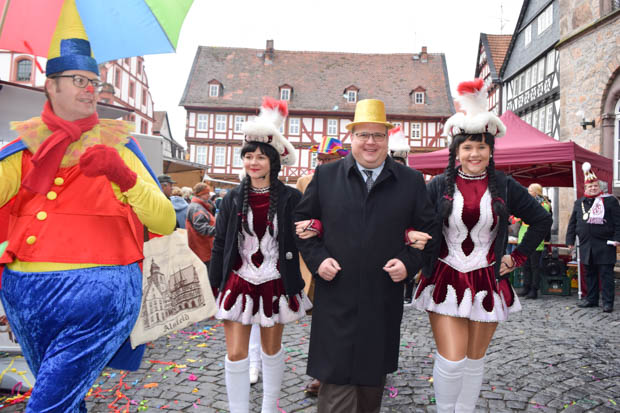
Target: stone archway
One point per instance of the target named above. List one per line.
(609, 111)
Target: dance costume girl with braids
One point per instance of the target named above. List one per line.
(465, 289)
(255, 263)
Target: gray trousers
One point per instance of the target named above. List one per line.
(347, 398)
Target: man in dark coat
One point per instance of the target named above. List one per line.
(596, 221)
(365, 202)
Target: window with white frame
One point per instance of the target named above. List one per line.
(24, 70)
(528, 118)
(527, 35)
(237, 161)
(220, 123)
(201, 155)
(549, 126)
(239, 120)
(545, 20)
(416, 130)
(293, 126)
(535, 119)
(528, 78)
(541, 119)
(541, 69)
(203, 121)
(214, 90)
(220, 156)
(550, 62)
(332, 127)
(313, 159)
(535, 74)
(419, 97)
(352, 96)
(285, 94)
(617, 143)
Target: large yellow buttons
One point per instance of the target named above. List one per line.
(59, 181)
(41, 215)
(31, 240)
(51, 195)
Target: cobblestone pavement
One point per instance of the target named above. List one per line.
(550, 357)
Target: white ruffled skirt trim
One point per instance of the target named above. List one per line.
(242, 309)
(468, 308)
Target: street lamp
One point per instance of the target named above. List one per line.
(585, 123)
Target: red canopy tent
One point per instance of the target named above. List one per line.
(529, 155)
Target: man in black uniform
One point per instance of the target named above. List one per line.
(596, 221)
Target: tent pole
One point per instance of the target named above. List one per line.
(579, 294)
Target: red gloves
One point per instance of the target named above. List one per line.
(105, 160)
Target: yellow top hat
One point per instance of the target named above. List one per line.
(369, 111)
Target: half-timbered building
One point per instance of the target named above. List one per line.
(530, 73)
(226, 85)
(492, 50)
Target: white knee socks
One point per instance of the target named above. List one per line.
(238, 384)
(472, 381)
(273, 370)
(447, 380)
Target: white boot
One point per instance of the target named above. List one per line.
(238, 384)
(447, 381)
(273, 370)
(472, 381)
(255, 361)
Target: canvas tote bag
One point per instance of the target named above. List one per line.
(175, 289)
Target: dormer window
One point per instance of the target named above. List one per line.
(350, 94)
(286, 92)
(215, 88)
(418, 95)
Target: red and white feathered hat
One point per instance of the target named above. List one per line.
(588, 174)
(476, 119)
(398, 144)
(266, 128)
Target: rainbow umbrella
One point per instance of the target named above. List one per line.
(115, 28)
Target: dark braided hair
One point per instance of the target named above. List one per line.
(274, 171)
(450, 173)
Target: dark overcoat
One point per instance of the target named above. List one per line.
(518, 203)
(355, 334)
(227, 225)
(593, 248)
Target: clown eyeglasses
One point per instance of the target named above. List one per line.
(82, 81)
(364, 136)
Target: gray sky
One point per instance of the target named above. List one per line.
(451, 27)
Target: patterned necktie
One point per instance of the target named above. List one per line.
(369, 181)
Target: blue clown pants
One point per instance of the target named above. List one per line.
(69, 325)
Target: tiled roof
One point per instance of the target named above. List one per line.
(498, 46)
(319, 80)
(158, 119)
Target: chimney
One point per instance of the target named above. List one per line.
(424, 55)
(269, 52)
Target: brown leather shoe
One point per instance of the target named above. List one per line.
(312, 389)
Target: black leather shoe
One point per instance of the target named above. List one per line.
(587, 304)
(608, 309)
(533, 294)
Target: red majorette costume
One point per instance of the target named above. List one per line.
(464, 283)
(254, 292)
(464, 280)
(255, 261)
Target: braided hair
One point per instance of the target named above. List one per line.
(450, 173)
(274, 171)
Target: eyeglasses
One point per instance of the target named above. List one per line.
(82, 81)
(364, 136)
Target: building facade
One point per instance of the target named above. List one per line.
(531, 71)
(161, 127)
(226, 85)
(492, 49)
